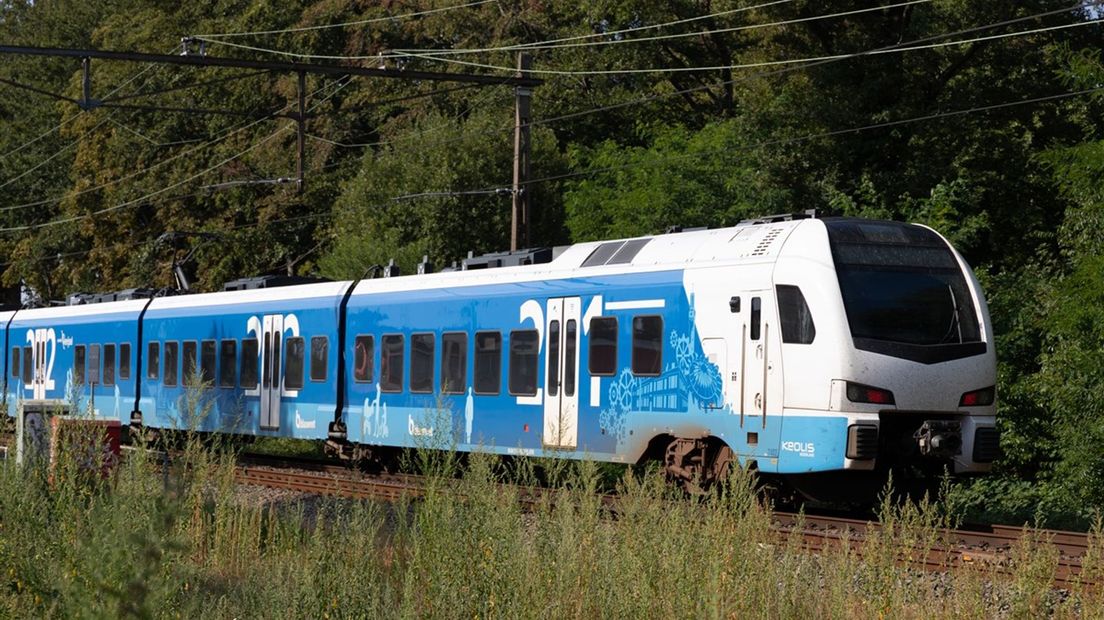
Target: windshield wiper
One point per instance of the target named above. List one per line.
(956, 320)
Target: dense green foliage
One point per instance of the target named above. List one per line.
(1017, 188)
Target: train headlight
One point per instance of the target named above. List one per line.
(978, 398)
(859, 393)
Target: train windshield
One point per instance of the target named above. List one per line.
(901, 284)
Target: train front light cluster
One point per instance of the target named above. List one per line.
(978, 398)
(859, 393)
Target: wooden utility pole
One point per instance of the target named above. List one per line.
(519, 233)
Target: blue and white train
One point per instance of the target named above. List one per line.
(800, 346)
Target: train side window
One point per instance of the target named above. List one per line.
(228, 363)
(795, 319)
(78, 364)
(647, 345)
(552, 374)
(603, 346)
(571, 330)
(207, 355)
(153, 361)
(391, 363)
(94, 364)
(109, 364)
(172, 363)
(28, 365)
(524, 351)
(15, 362)
(454, 362)
(756, 317)
(249, 356)
(293, 365)
(488, 363)
(364, 352)
(320, 357)
(124, 361)
(188, 354)
(421, 363)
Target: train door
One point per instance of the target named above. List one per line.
(561, 401)
(42, 350)
(272, 336)
(758, 351)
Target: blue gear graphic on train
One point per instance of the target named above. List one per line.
(824, 350)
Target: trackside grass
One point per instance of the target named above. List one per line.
(137, 544)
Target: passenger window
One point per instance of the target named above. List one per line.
(94, 364)
(552, 375)
(172, 363)
(796, 320)
(293, 366)
(249, 356)
(78, 364)
(124, 361)
(523, 362)
(228, 362)
(756, 317)
(320, 357)
(488, 362)
(570, 335)
(188, 356)
(647, 345)
(153, 363)
(15, 362)
(364, 351)
(207, 355)
(454, 363)
(109, 364)
(391, 363)
(28, 365)
(421, 363)
(603, 346)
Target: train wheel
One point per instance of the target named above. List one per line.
(696, 465)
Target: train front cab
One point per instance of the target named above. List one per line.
(887, 351)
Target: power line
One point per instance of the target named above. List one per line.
(755, 65)
(207, 144)
(345, 24)
(519, 47)
(663, 37)
(816, 136)
(141, 199)
(63, 123)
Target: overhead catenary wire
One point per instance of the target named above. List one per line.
(809, 137)
(216, 35)
(519, 47)
(756, 65)
(207, 144)
(662, 37)
(141, 199)
(62, 124)
(762, 74)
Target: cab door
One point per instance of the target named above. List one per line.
(561, 402)
(761, 381)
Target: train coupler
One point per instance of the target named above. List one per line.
(939, 438)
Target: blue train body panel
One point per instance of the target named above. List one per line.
(693, 344)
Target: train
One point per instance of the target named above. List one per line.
(820, 351)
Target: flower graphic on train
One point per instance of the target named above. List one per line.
(702, 376)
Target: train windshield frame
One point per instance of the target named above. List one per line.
(904, 292)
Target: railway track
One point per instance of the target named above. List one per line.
(989, 548)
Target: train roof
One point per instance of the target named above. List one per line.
(756, 241)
